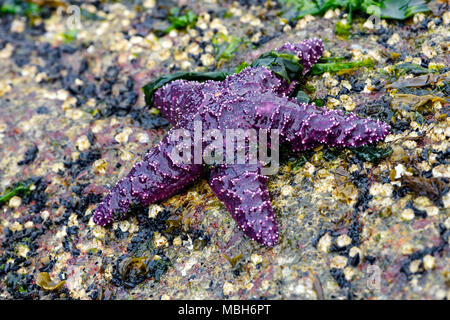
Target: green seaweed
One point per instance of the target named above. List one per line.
(69, 36)
(158, 268)
(396, 9)
(181, 21)
(225, 46)
(319, 103)
(389, 9)
(241, 67)
(16, 7)
(371, 153)
(413, 68)
(286, 65)
(342, 29)
(331, 153)
(321, 68)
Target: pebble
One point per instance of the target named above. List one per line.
(29, 224)
(153, 210)
(395, 38)
(45, 214)
(447, 223)
(17, 26)
(159, 240)
(410, 144)
(57, 166)
(22, 250)
(329, 80)
(446, 17)
(124, 225)
(349, 273)
(256, 259)
(122, 137)
(143, 137)
(217, 24)
(354, 251)
(429, 262)
(287, 190)
(7, 51)
(368, 24)
(125, 155)
(414, 266)
(148, 4)
(15, 202)
(207, 59)
(343, 240)
(441, 171)
(407, 249)
(99, 232)
(15, 226)
(338, 262)
(346, 84)
(408, 214)
(100, 166)
(73, 221)
(332, 103)
(368, 88)
(74, 114)
(228, 288)
(422, 203)
(400, 170)
(347, 102)
(446, 201)
(185, 65)
(381, 190)
(324, 243)
(428, 51)
(83, 143)
(331, 13)
(303, 23)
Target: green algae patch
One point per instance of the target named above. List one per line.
(333, 67)
(225, 46)
(285, 65)
(181, 21)
(371, 153)
(390, 9)
(415, 69)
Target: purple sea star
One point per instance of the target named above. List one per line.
(254, 98)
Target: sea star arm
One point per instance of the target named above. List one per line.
(309, 51)
(305, 126)
(155, 178)
(243, 190)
